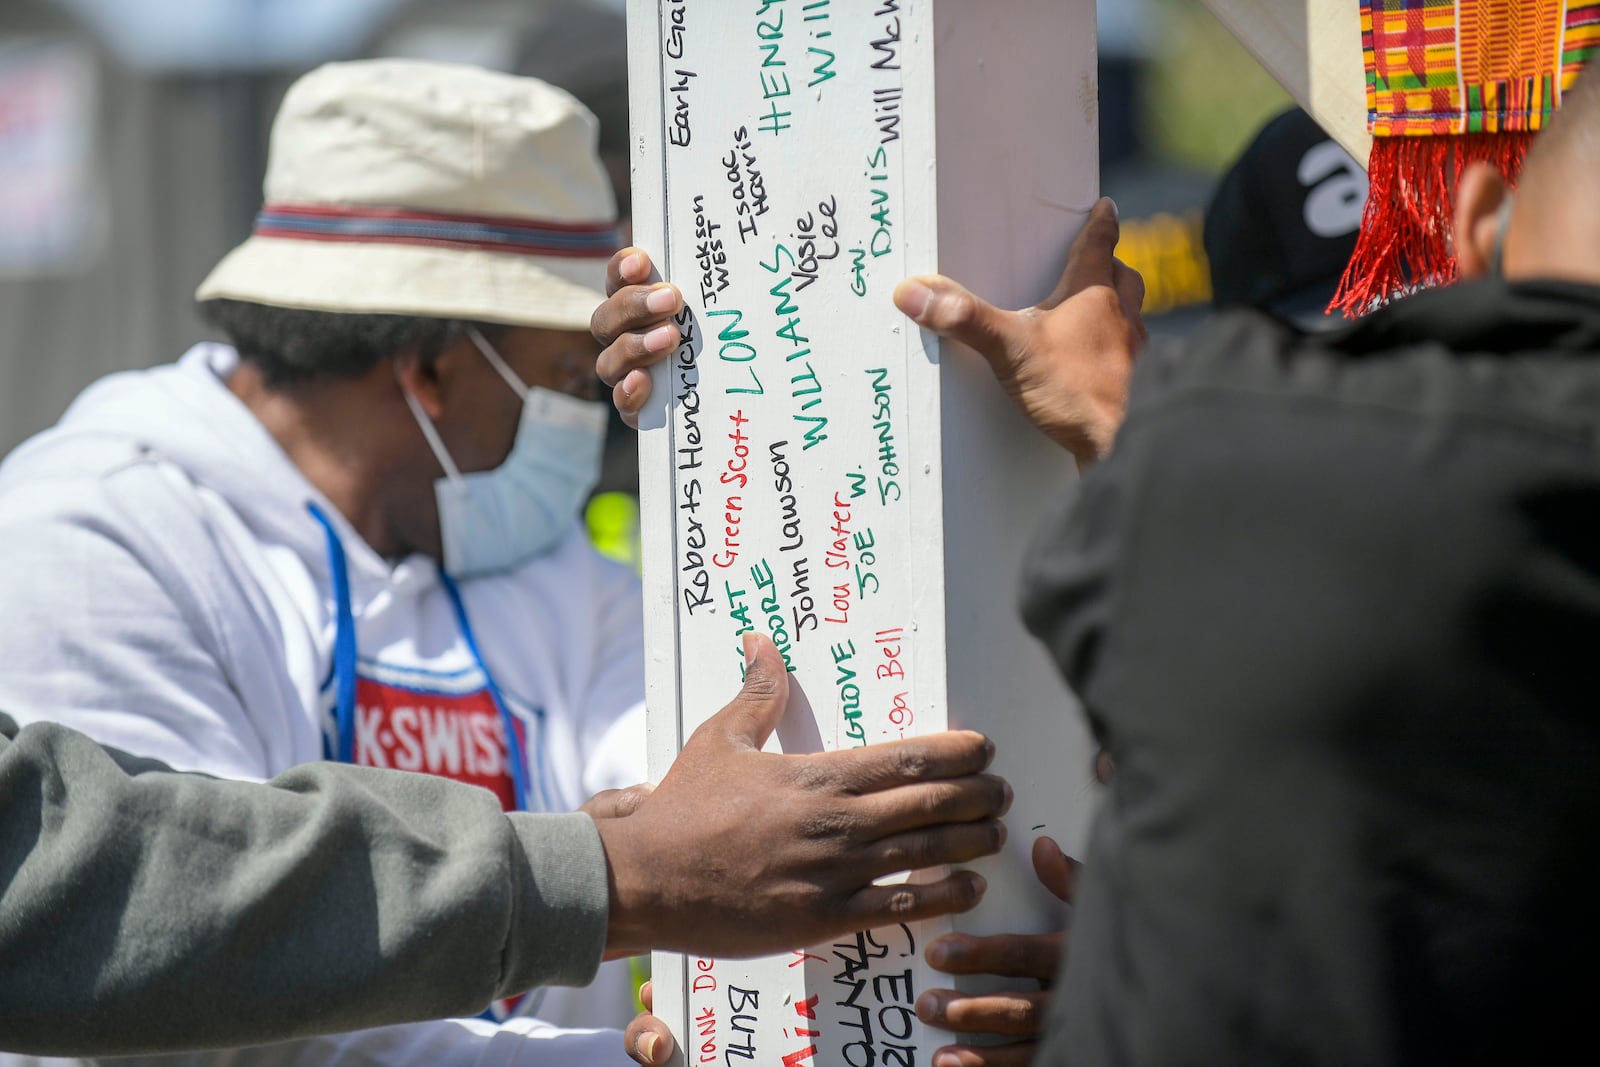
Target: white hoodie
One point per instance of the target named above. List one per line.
(166, 590)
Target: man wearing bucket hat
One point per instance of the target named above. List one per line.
(351, 534)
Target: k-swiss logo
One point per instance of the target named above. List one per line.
(452, 735)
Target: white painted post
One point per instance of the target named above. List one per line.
(1313, 49)
(815, 468)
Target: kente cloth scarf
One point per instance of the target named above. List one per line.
(1451, 83)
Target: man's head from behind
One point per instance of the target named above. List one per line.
(416, 298)
(1550, 229)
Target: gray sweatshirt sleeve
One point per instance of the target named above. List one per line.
(143, 910)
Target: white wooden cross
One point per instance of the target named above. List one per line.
(817, 469)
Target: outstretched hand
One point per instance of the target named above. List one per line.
(1014, 1015)
(740, 852)
(1066, 361)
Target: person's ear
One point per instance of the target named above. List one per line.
(1479, 197)
(423, 379)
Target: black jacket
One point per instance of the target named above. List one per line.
(1334, 608)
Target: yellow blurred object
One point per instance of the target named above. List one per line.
(1169, 251)
(639, 968)
(613, 523)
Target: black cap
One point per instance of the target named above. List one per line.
(1283, 223)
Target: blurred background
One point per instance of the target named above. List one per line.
(133, 141)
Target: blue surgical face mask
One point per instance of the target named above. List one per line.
(493, 520)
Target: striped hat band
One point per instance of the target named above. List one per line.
(372, 225)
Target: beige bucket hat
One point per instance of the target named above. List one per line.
(419, 188)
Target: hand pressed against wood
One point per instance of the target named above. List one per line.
(742, 853)
(1066, 361)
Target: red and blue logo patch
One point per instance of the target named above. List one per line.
(441, 724)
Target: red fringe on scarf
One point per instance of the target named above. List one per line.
(1406, 239)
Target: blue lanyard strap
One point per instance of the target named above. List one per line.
(344, 663)
(344, 641)
(514, 748)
